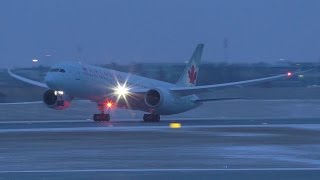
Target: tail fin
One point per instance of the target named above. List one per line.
(190, 73)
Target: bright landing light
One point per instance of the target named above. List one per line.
(58, 93)
(289, 74)
(121, 91)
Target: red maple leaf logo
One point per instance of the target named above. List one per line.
(192, 75)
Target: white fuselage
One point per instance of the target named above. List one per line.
(97, 84)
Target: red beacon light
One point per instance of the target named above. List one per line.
(289, 74)
(109, 104)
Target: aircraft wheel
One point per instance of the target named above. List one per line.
(60, 103)
(151, 117)
(101, 117)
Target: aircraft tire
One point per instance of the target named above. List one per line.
(151, 117)
(101, 117)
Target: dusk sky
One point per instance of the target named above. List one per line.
(126, 31)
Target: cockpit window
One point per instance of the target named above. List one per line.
(57, 70)
(54, 70)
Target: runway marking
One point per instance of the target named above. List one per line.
(44, 121)
(83, 129)
(140, 128)
(117, 120)
(162, 120)
(157, 170)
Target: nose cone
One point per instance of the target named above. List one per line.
(50, 81)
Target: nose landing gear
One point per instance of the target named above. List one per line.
(60, 103)
(102, 117)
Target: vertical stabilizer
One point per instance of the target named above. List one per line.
(191, 71)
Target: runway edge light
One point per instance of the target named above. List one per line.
(175, 125)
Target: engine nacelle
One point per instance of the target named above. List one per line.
(162, 101)
(158, 97)
(51, 100)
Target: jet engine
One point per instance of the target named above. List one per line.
(161, 101)
(157, 97)
(56, 99)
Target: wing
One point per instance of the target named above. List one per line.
(41, 102)
(219, 99)
(29, 81)
(184, 91)
(22, 103)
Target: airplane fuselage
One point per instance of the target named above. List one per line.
(105, 87)
(97, 85)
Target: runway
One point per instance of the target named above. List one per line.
(130, 149)
(138, 125)
(230, 140)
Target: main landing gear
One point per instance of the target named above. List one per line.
(151, 117)
(102, 117)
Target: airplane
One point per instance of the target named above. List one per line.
(113, 89)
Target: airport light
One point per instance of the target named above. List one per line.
(35, 60)
(175, 125)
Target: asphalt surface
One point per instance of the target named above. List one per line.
(81, 149)
(234, 109)
(205, 147)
